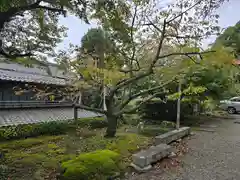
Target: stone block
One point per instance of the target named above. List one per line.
(171, 136)
(141, 169)
(153, 154)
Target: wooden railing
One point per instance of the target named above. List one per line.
(32, 104)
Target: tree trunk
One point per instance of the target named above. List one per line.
(112, 126)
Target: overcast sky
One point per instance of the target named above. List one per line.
(229, 15)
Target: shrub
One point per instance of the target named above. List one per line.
(93, 123)
(48, 128)
(94, 165)
(155, 111)
(4, 172)
(132, 119)
(24, 131)
(52, 128)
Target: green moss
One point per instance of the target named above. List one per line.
(29, 142)
(93, 165)
(127, 143)
(52, 146)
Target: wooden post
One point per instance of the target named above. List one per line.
(179, 105)
(75, 109)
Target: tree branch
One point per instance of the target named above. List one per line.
(180, 14)
(133, 45)
(140, 104)
(154, 25)
(134, 96)
(128, 81)
(159, 46)
(185, 54)
(148, 72)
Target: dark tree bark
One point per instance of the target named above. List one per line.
(112, 126)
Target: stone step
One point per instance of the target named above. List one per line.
(171, 136)
(145, 158)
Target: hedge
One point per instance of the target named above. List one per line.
(48, 128)
(93, 123)
(98, 165)
(155, 111)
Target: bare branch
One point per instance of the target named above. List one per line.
(133, 44)
(191, 59)
(140, 104)
(185, 54)
(145, 92)
(148, 72)
(154, 25)
(159, 46)
(128, 81)
(188, 36)
(180, 14)
(133, 21)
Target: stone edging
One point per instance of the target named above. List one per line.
(143, 160)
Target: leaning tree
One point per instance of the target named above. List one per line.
(148, 40)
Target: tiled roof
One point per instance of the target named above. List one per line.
(24, 77)
(31, 116)
(17, 72)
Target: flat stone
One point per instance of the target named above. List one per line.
(171, 136)
(192, 134)
(208, 126)
(172, 154)
(179, 140)
(206, 130)
(141, 169)
(153, 154)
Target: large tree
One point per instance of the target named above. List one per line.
(150, 40)
(144, 44)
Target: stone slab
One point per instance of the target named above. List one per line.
(140, 169)
(171, 136)
(153, 154)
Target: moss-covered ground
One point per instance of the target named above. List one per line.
(40, 158)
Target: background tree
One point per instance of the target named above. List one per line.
(230, 38)
(30, 27)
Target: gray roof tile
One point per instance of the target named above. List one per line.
(24, 77)
(31, 116)
(17, 72)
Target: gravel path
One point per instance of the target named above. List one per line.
(211, 156)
